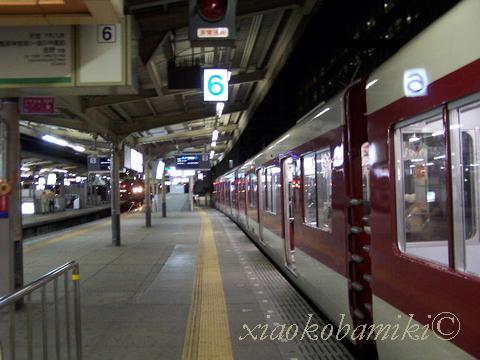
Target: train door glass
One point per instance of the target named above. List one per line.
(261, 201)
(465, 137)
(422, 188)
(289, 244)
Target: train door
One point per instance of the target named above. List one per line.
(288, 217)
(261, 201)
(248, 196)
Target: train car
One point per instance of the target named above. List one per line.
(423, 129)
(132, 191)
(370, 203)
(306, 227)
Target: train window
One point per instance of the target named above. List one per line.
(465, 136)
(324, 189)
(309, 190)
(272, 177)
(252, 189)
(422, 189)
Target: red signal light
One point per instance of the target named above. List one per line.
(212, 10)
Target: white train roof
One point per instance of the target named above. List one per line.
(445, 46)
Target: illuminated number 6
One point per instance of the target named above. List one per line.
(215, 85)
(107, 33)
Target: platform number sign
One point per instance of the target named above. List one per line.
(215, 85)
(415, 82)
(106, 33)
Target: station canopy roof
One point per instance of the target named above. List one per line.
(164, 121)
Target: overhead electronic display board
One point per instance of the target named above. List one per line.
(99, 164)
(192, 161)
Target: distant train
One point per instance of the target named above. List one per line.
(371, 203)
(132, 191)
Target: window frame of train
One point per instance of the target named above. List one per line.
(321, 222)
(271, 190)
(460, 113)
(251, 188)
(458, 245)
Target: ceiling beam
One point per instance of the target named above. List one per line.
(152, 122)
(186, 135)
(74, 124)
(155, 24)
(95, 121)
(151, 94)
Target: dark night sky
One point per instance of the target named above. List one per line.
(338, 45)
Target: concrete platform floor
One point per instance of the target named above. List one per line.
(137, 298)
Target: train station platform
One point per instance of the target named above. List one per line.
(188, 287)
(43, 223)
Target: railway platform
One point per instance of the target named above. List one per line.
(192, 286)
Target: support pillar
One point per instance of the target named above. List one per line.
(164, 195)
(190, 191)
(11, 244)
(115, 195)
(148, 191)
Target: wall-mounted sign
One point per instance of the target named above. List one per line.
(38, 105)
(215, 85)
(36, 55)
(415, 82)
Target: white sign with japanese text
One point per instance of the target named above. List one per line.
(39, 55)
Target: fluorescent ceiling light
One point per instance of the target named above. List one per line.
(414, 138)
(78, 148)
(61, 142)
(213, 144)
(215, 135)
(54, 140)
(219, 108)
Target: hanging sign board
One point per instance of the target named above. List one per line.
(39, 55)
(38, 105)
(215, 85)
(94, 59)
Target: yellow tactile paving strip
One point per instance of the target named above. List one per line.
(208, 333)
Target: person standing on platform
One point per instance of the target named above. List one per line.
(51, 201)
(43, 202)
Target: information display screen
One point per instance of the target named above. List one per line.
(192, 161)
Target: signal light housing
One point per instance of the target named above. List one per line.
(212, 10)
(212, 22)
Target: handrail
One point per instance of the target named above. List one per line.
(52, 276)
(34, 285)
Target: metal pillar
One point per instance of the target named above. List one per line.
(190, 191)
(115, 195)
(164, 195)
(11, 246)
(148, 191)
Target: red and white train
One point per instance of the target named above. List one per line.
(371, 202)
